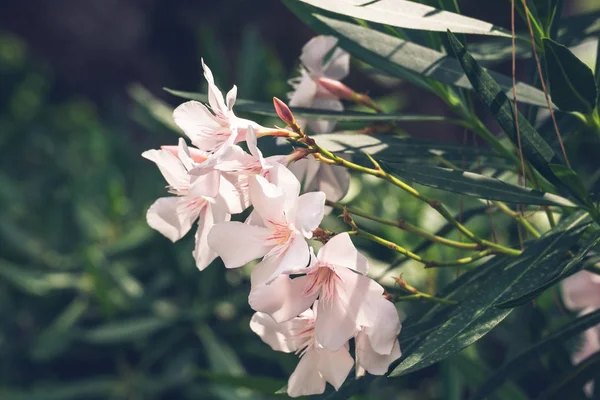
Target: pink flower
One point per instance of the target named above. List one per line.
(377, 346)
(332, 180)
(581, 292)
(307, 91)
(317, 365)
(174, 216)
(277, 229)
(236, 166)
(348, 300)
(211, 129)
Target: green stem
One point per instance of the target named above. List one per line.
(438, 206)
(520, 218)
(406, 226)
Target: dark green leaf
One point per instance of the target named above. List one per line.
(576, 29)
(393, 148)
(409, 15)
(570, 179)
(126, 330)
(535, 149)
(476, 185)
(475, 372)
(74, 390)
(258, 383)
(572, 84)
(573, 380)
(260, 108)
(477, 291)
(555, 274)
(404, 59)
(519, 363)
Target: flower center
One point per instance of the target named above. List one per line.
(323, 280)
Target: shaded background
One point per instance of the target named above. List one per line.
(93, 303)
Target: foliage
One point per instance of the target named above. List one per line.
(102, 307)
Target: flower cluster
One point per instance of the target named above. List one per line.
(581, 292)
(313, 304)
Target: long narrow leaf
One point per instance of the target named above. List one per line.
(519, 363)
(410, 15)
(261, 108)
(476, 185)
(401, 58)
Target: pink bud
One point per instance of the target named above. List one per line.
(197, 155)
(284, 112)
(337, 88)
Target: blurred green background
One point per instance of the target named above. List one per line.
(96, 305)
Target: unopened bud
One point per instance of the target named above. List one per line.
(338, 89)
(284, 112)
(296, 155)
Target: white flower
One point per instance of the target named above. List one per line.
(211, 129)
(307, 91)
(237, 167)
(277, 229)
(581, 292)
(332, 180)
(377, 346)
(348, 300)
(174, 216)
(317, 365)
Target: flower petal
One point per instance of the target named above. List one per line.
(199, 124)
(281, 337)
(268, 201)
(314, 52)
(293, 256)
(334, 181)
(233, 193)
(306, 379)
(581, 291)
(335, 366)
(238, 243)
(166, 217)
(205, 184)
(385, 329)
(304, 91)
(209, 216)
(373, 362)
(338, 66)
(170, 167)
(325, 126)
(231, 96)
(309, 213)
(282, 299)
(285, 180)
(340, 251)
(215, 97)
(354, 305)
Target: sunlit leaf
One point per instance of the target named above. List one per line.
(409, 15)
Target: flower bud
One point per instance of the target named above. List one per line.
(338, 89)
(284, 112)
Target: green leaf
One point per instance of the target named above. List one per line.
(404, 59)
(570, 178)
(573, 380)
(572, 84)
(475, 372)
(257, 383)
(260, 108)
(578, 28)
(477, 291)
(476, 185)
(102, 388)
(555, 274)
(535, 149)
(393, 148)
(409, 15)
(519, 363)
(125, 330)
